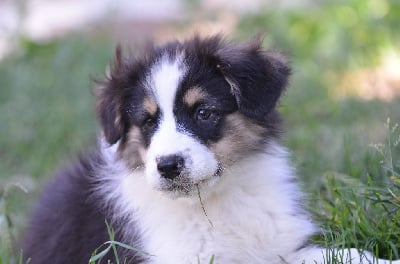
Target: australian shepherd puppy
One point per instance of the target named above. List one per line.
(188, 167)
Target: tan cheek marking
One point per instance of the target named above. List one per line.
(134, 135)
(193, 95)
(132, 150)
(142, 152)
(150, 106)
(241, 136)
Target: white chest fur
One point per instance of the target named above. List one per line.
(253, 210)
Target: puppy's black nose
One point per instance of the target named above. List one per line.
(170, 166)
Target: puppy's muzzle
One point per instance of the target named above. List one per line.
(170, 166)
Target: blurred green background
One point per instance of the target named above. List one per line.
(340, 110)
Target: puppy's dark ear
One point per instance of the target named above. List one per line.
(109, 94)
(257, 77)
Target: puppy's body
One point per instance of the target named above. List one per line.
(248, 223)
(68, 223)
(189, 167)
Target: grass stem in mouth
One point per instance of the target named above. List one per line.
(202, 206)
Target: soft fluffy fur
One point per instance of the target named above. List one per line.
(188, 166)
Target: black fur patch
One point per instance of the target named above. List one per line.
(68, 223)
(235, 77)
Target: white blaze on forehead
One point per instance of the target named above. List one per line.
(200, 163)
(165, 76)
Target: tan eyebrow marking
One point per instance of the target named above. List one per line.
(193, 95)
(150, 106)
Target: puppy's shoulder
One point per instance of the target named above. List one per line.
(66, 212)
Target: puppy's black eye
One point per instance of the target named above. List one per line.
(149, 122)
(203, 114)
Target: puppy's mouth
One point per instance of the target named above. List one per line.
(178, 187)
(185, 185)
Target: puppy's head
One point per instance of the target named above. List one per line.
(186, 111)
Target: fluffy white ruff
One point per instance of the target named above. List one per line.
(253, 208)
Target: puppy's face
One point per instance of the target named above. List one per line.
(189, 110)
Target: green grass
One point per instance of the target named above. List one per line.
(47, 117)
(354, 189)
